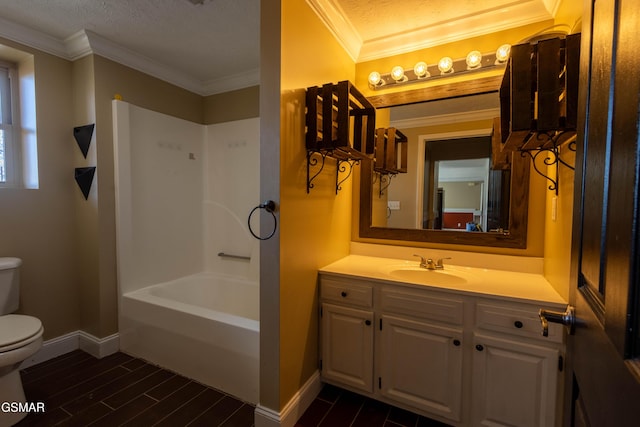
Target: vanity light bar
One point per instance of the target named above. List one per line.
(446, 67)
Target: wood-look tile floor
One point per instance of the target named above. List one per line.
(119, 390)
(335, 407)
(80, 390)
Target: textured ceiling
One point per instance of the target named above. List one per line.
(206, 42)
(213, 45)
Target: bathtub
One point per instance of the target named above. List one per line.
(204, 326)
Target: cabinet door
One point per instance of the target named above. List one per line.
(347, 346)
(514, 384)
(421, 365)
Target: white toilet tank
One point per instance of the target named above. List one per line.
(9, 285)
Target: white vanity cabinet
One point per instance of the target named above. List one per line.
(456, 357)
(420, 350)
(516, 372)
(347, 325)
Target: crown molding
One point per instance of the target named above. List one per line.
(77, 45)
(32, 38)
(86, 42)
(333, 18)
(110, 50)
(340, 27)
(426, 37)
(442, 119)
(233, 82)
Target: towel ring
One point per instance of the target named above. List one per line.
(269, 206)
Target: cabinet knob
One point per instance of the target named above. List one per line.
(367, 322)
(479, 347)
(343, 294)
(517, 324)
(456, 342)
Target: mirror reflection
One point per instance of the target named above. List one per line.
(450, 183)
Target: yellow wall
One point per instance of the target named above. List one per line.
(557, 243)
(316, 227)
(557, 239)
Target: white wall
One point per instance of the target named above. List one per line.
(183, 194)
(159, 187)
(232, 190)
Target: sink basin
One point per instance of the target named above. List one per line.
(428, 277)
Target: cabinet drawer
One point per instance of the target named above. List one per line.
(518, 320)
(422, 304)
(339, 291)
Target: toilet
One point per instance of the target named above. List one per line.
(20, 338)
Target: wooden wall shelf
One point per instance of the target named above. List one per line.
(340, 123)
(539, 92)
(539, 104)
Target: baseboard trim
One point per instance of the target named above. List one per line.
(293, 410)
(97, 347)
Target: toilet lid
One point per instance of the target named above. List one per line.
(18, 328)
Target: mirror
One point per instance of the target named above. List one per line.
(481, 206)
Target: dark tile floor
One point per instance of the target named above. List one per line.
(80, 390)
(120, 390)
(335, 407)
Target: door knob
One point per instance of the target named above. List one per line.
(567, 319)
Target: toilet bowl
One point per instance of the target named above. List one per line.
(20, 338)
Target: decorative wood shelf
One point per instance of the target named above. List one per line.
(539, 102)
(390, 154)
(340, 124)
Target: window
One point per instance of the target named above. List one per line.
(8, 161)
(18, 136)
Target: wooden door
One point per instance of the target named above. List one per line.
(604, 388)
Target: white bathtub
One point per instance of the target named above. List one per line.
(203, 326)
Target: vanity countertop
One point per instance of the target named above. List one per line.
(526, 287)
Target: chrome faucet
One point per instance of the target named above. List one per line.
(429, 264)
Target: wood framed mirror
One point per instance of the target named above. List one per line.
(513, 237)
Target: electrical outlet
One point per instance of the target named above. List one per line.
(394, 205)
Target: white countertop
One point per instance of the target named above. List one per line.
(479, 281)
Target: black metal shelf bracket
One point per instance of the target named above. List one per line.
(313, 161)
(548, 149)
(317, 159)
(341, 168)
(385, 182)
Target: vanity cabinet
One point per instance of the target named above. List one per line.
(347, 356)
(420, 350)
(516, 372)
(421, 365)
(455, 357)
(514, 384)
(347, 334)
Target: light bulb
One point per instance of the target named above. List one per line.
(397, 74)
(374, 78)
(474, 60)
(421, 70)
(502, 54)
(445, 65)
